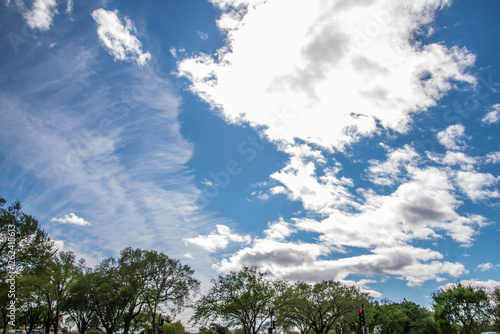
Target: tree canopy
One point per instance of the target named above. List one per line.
(241, 298)
(461, 309)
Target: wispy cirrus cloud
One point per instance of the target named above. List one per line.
(107, 148)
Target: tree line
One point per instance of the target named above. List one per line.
(128, 294)
(125, 294)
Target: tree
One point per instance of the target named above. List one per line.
(495, 310)
(109, 298)
(166, 282)
(29, 302)
(405, 317)
(173, 328)
(323, 306)
(22, 245)
(78, 302)
(131, 269)
(52, 282)
(239, 298)
(462, 309)
(21, 240)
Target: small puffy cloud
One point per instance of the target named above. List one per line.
(41, 14)
(218, 240)
(493, 158)
(203, 35)
(301, 182)
(452, 137)
(176, 51)
(389, 171)
(493, 116)
(279, 230)
(59, 245)
(485, 266)
(473, 184)
(71, 219)
(117, 37)
(453, 158)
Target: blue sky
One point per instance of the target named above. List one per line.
(355, 141)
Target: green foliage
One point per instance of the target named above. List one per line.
(461, 309)
(404, 317)
(219, 328)
(322, 307)
(495, 309)
(173, 328)
(240, 298)
(204, 330)
(154, 279)
(21, 240)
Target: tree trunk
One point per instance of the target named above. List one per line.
(5, 320)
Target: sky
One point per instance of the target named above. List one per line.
(347, 140)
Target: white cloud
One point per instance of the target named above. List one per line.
(279, 230)
(117, 37)
(67, 143)
(203, 35)
(473, 184)
(493, 158)
(301, 181)
(69, 7)
(488, 285)
(453, 158)
(218, 240)
(59, 245)
(493, 116)
(41, 14)
(326, 76)
(452, 137)
(329, 76)
(71, 219)
(485, 266)
(390, 171)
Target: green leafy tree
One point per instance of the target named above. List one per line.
(22, 240)
(29, 302)
(173, 328)
(461, 309)
(495, 309)
(166, 282)
(52, 283)
(23, 245)
(78, 301)
(131, 268)
(109, 297)
(388, 318)
(405, 317)
(204, 330)
(219, 328)
(240, 299)
(322, 307)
